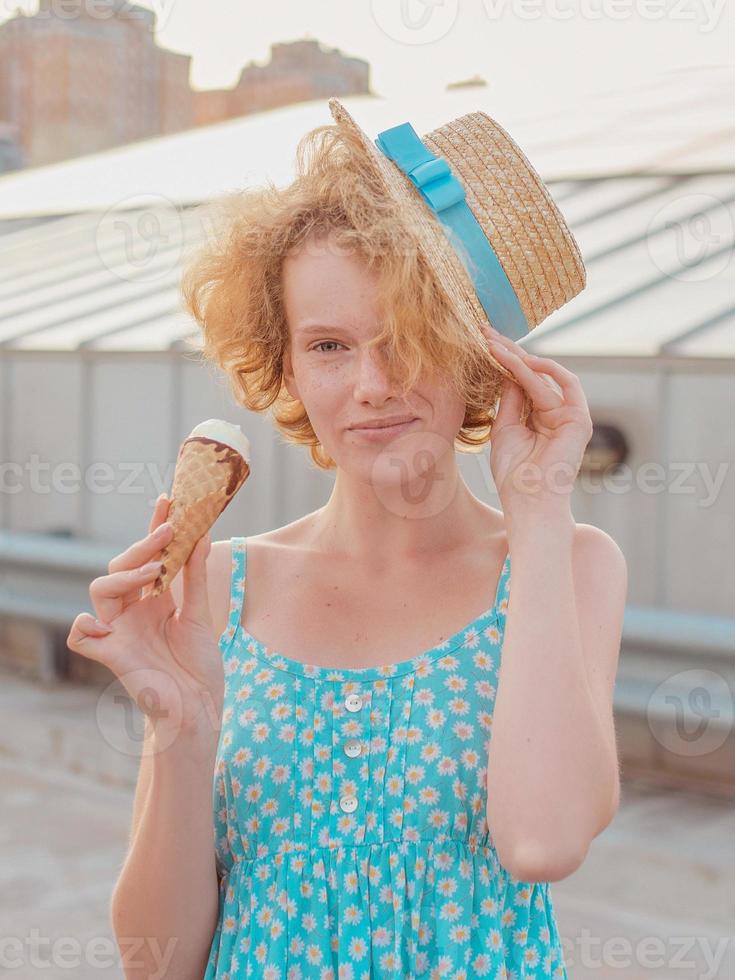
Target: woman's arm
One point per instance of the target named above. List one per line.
(553, 778)
(128, 910)
(165, 904)
(218, 562)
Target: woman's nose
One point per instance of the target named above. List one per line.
(372, 373)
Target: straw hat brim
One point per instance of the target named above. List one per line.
(510, 202)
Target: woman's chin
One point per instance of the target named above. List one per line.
(407, 461)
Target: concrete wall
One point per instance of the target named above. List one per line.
(130, 412)
(698, 552)
(41, 446)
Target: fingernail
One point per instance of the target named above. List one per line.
(105, 627)
(162, 528)
(157, 565)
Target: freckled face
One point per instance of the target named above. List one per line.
(331, 311)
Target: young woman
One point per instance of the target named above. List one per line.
(321, 697)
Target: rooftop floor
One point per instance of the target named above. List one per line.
(653, 899)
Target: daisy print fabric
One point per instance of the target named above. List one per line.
(349, 817)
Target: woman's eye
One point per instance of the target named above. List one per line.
(323, 342)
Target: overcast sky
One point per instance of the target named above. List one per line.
(540, 52)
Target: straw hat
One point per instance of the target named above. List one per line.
(483, 218)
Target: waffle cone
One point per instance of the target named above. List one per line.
(208, 475)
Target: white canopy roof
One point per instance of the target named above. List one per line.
(679, 123)
(648, 190)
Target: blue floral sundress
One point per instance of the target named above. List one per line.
(350, 827)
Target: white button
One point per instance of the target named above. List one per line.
(352, 747)
(353, 702)
(348, 803)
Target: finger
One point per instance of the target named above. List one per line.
(544, 395)
(159, 507)
(86, 636)
(543, 367)
(157, 518)
(148, 547)
(195, 605)
(160, 512)
(564, 415)
(511, 403)
(109, 593)
(500, 366)
(568, 381)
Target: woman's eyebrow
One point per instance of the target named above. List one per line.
(317, 327)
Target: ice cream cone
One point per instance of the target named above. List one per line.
(209, 472)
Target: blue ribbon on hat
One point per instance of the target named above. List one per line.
(445, 195)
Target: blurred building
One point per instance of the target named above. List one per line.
(95, 78)
(90, 79)
(297, 72)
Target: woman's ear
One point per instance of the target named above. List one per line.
(288, 376)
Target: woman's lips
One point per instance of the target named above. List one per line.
(385, 431)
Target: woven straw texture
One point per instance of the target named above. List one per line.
(506, 195)
(208, 475)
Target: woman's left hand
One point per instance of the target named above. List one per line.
(536, 463)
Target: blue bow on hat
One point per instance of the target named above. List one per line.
(445, 195)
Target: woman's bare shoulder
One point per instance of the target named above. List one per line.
(219, 561)
(297, 536)
(292, 535)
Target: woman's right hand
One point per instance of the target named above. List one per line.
(167, 658)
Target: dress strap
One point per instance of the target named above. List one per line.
(503, 589)
(238, 566)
